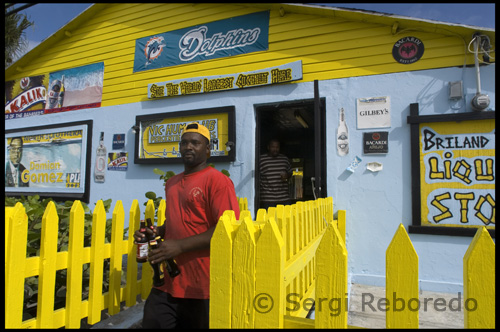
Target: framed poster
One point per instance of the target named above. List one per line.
(50, 161)
(453, 172)
(158, 135)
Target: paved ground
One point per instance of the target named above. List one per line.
(363, 311)
(362, 315)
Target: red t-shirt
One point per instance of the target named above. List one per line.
(194, 203)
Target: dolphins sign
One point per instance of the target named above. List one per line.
(229, 37)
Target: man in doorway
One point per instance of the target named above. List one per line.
(195, 200)
(275, 170)
(13, 167)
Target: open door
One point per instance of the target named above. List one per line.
(298, 125)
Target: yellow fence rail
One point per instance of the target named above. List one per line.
(18, 267)
(265, 273)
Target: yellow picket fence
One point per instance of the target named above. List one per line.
(18, 267)
(266, 273)
(253, 264)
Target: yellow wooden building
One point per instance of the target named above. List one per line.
(133, 74)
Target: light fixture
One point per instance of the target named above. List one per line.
(135, 129)
(301, 120)
(229, 145)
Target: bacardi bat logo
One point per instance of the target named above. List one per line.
(408, 50)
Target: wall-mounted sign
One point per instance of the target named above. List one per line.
(224, 38)
(64, 90)
(408, 50)
(118, 141)
(117, 161)
(453, 173)
(274, 75)
(25, 97)
(50, 161)
(75, 88)
(376, 142)
(160, 134)
(374, 112)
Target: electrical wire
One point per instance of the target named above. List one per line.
(484, 48)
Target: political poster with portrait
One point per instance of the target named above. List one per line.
(49, 161)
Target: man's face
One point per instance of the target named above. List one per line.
(274, 148)
(15, 151)
(194, 149)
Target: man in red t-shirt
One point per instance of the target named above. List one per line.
(195, 200)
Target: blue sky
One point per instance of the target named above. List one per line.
(50, 17)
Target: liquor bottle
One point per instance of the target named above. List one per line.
(172, 268)
(142, 245)
(342, 136)
(100, 163)
(158, 277)
(60, 99)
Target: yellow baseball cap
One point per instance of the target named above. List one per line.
(195, 127)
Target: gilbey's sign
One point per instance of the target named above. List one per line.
(229, 37)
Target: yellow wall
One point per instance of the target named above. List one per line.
(328, 45)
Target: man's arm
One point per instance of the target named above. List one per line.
(173, 248)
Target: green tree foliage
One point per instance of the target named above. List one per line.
(15, 37)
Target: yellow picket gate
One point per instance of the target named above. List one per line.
(258, 268)
(266, 273)
(18, 267)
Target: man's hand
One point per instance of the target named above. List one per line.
(168, 249)
(171, 248)
(138, 236)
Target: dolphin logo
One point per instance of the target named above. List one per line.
(153, 49)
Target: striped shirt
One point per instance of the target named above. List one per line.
(272, 187)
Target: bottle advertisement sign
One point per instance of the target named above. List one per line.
(374, 112)
(376, 142)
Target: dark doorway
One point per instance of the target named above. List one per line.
(293, 124)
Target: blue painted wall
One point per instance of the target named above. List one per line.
(376, 203)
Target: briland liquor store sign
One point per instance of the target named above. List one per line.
(458, 173)
(274, 75)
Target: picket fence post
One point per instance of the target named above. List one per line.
(331, 281)
(132, 265)
(401, 280)
(96, 263)
(221, 268)
(47, 278)
(268, 302)
(15, 266)
(75, 265)
(479, 282)
(115, 266)
(243, 275)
